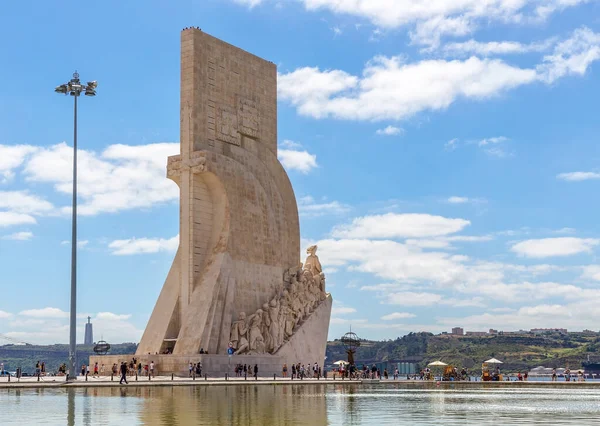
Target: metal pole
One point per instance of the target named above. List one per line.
(73, 324)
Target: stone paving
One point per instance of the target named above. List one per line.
(107, 381)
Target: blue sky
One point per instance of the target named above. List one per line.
(445, 158)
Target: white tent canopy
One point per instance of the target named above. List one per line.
(436, 363)
(493, 361)
(341, 362)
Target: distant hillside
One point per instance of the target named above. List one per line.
(25, 356)
(518, 352)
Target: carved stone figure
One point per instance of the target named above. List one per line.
(255, 322)
(266, 326)
(239, 330)
(273, 327)
(287, 321)
(300, 293)
(259, 346)
(312, 263)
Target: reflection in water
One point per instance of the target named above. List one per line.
(71, 407)
(235, 405)
(315, 405)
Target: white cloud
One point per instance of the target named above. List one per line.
(143, 246)
(12, 157)
(391, 260)
(492, 141)
(392, 225)
(23, 202)
(397, 315)
(408, 298)
(458, 200)
(51, 325)
(578, 176)
(430, 20)
(20, 207)
(4, 315)
(340, 309)
(548, 247)
(290, 144)
(344, 321)
(109, 316)
(308, 207)
(390, 131)
(120, 178)
(578, 315)
(492, 48)
(391, 88)
(572, 56)
(45, 313)
(11, 219)
(249, 3)
(19, 236)
(591, 272)
(302, 161)
(451, 145)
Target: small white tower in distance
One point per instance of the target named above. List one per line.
(89, 334)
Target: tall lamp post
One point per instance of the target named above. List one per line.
(74, 88)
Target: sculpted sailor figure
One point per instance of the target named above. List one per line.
(266, 327)
(239, 330)
(255, 326)
(274, 326)
(312, 263)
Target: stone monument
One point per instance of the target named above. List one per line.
(236, 280)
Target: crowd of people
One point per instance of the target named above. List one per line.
(131, 368)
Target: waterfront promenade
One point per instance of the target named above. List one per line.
(106, 381)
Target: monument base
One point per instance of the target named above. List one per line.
(306, 346)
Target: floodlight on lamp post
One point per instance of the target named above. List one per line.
(74, 88)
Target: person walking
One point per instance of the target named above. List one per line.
(293, 371)
(256, 371)
(96, 372)
(123, 373)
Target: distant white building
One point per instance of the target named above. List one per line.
(548, 330)
(476, 333)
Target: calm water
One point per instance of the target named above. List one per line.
(303, 405)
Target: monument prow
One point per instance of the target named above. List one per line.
(239, 249)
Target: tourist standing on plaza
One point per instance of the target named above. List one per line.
(255, 371)
(83, 369)
(554, 375)
(123, 373)
(95, 374)
(284, 371)
(152, 368)
(293, 371)
(190, 368)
